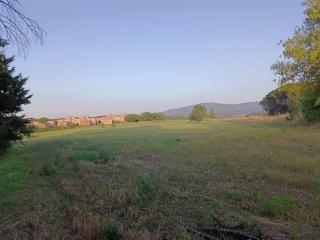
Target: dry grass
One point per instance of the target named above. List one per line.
(151, 181)
(255, 118)
(84, 224)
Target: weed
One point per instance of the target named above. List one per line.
(277, 205)
(48, 170)
(255, 195)
(110, 232)
(235, 195)
(147, 189)
(317, 189)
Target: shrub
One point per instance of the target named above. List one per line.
(236, 195)
(146, 116)
(276, 205)
(111, 232)
(133, 118)
(146, 189)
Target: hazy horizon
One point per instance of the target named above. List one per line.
(125, 56)
(92, 113)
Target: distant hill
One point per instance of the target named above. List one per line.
(221, 110)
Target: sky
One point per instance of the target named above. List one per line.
(114, 56)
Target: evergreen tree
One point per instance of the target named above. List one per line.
(13, 96)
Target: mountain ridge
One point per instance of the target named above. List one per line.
(220, 109)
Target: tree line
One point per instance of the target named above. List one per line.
(144, 117)
(298, 71)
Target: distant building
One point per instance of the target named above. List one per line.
(63, 122)
(35, 123)
(84, 121)
(119, 117)
(80, 121)
(51, 124)
(104, 120)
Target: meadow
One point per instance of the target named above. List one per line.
(155, 180)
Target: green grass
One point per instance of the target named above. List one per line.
(151, 180)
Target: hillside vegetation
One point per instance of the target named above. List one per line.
(154, 180)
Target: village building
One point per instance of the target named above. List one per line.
(104, 120)
(119, 117)
(63, 122)
(79, 121)
(84, 121)
(51, 124)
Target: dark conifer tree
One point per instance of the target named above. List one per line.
(13, 96)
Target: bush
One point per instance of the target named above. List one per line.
(111, 232)
(277, 205)
(146, 116)
(133, 118)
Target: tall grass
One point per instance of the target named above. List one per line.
(150, 180)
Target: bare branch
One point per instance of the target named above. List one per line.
(17, 28)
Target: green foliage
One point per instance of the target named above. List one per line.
(236, 195)
(43, 120)
(147, 189)
(148, 116)
(144, 117)
(211, 114)
(294, 92)
(310, 104)
(13, 96)
(285, 99)
(48, 170)
(300, 61)
(111, 232)
(276, 205)
(198, 113)
(302, 52)
(133, 118)
(275, 102)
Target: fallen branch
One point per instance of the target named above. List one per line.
(239, 235)
(222, 231)
(200, 234)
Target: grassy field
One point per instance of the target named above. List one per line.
(154, 180)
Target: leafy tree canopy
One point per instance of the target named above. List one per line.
(301, 55)
(43, 120)
(198, 113)
(275, 102)
(211, 114)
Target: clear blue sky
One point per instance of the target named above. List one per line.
(105, 56)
